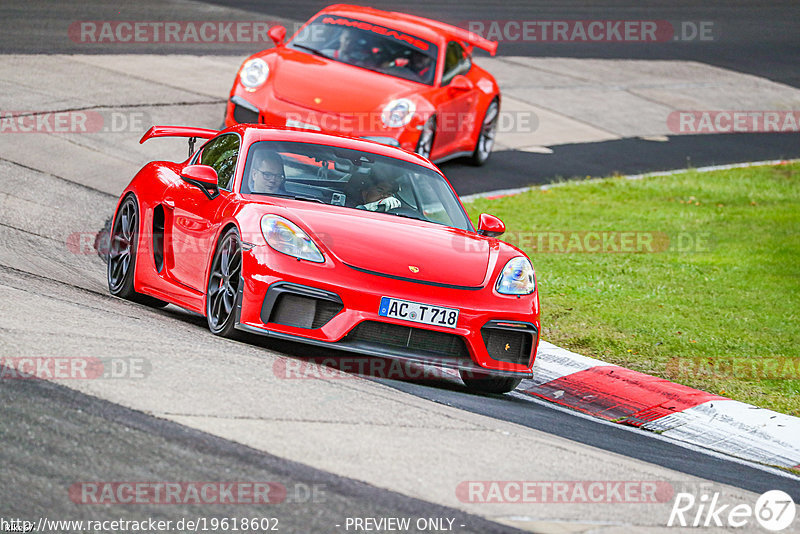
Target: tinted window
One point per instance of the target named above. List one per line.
(369, 46)
(456, 62)
(357, 180)
(221, 154)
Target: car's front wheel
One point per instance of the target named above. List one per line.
(485, 144)
(122, 246)
(223, 285)
(487, 383)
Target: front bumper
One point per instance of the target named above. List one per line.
(339, 310)
(279, 112)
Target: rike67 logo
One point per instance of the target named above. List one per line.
(774, 511)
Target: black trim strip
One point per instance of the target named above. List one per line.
(210, 193)
(369, 349)
(518, 326)
(415, 281)
(240, 101)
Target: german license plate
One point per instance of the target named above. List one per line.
(418, 313)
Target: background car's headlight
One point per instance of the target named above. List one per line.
(517, 278)
(254, 73)
(397, 113)
(285, 236)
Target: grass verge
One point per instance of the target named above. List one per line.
(697, 276)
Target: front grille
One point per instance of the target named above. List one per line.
(243, 115)
(508, 345)
(303, 312)
(417, 340)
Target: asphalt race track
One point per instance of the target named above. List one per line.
(189, 407)
(753, 38)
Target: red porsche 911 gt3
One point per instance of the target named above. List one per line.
(398, 79)
(329, 240)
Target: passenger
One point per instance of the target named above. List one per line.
(421, 65)
(347, 51)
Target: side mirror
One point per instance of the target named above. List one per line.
(490, 226)
(277, 34)
(460, 84)
(204, 177)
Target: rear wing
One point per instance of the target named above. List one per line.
(179, 131)
(470, 38)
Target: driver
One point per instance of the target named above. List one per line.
(378, 193)
(266, 173)
(355, 49)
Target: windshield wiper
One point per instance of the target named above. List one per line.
(308, 199)
(312, 50)
(405, 216)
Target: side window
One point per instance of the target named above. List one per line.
(456, 62)
(221, 154)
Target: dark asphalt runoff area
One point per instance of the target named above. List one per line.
(54, 438)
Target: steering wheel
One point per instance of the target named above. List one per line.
(407, 212)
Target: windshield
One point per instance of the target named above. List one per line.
(369, 46)
(351, 179)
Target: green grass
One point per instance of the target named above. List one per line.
(721, 314)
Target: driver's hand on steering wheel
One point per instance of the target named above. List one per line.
(389, 203)
(384, 204)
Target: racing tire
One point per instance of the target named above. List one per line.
(485, 143)
(426, 137)
(224, 282)
(487, 383)
(122, 247)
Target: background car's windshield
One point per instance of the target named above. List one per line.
(351, 179)
(369, 46)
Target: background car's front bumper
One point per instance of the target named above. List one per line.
(366, 125)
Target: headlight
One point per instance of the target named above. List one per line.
(285, 236)
(397, 113)
(516, 278)
(254, 73)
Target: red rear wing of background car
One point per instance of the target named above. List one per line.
(177, 131)
(464, 35)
